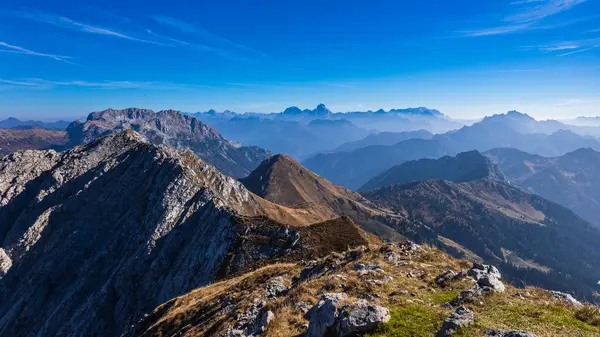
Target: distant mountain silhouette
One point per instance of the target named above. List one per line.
(12, 123)
(572, 180)
(353, 169)
(465, 166)
(383, 138)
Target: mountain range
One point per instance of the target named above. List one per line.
(12, 140)
(300, 133)
(571, 180)
(466, 166)
(105, 232)
(14, 123)
(353, 169)
(175, 130)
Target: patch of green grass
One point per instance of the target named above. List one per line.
(442, 297)
(543, 320)
(410, 320)
(589, 315)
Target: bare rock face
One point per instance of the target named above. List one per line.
(364, 317)
(461, 318)
(322, 317)
(504, 333)
(19, 168)
(567, 298)
(93, 238)
(252, 322)
(173, 129)
(487, 276)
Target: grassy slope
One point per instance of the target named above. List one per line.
(412, 297)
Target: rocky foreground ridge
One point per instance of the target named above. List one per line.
(390, 290)
(94, 237)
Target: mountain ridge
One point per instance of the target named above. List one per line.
(464, 167)
(169, 127)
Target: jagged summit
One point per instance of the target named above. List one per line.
(171, 128)
(465, 166)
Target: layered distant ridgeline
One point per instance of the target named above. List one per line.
(549, 138)
(175, 130)
(572, 180)
(15, 123)
(12, 140)
(466, 166)
(300, 133)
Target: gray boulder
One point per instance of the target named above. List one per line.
(276, 287)
(504, 333)
(566, 298)
(444, 278)
(461, 318)
(323, 315)
(367, 269)
(487, 276)
(252, 322)
(362, 318)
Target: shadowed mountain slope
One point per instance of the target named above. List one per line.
(572, 180)
(533, 240)
(465, 166)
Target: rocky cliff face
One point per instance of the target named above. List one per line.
(175, 130)
(96, 236)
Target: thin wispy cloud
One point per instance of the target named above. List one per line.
(566, 48)
(528, 17)
(203, 34)
(575, 52)
(107, 84)
(68, 23)
(9, 48)
(543, 10)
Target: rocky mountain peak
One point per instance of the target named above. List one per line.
(322, 110)
(293, 110)
(171, 128)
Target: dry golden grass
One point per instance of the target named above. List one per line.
(413, 298)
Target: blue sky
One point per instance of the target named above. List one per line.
(64, 59)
